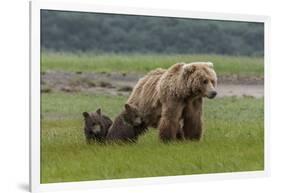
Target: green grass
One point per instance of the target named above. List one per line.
(233, 142)
(141, 63)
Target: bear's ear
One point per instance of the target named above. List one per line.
(98, 111)
(129, 108)
(85, 114)
(189, 68)
(209, 64)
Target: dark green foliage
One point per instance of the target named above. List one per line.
(74, 31)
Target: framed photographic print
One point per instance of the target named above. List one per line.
(123, 96)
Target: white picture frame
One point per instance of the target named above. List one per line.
(36, 6)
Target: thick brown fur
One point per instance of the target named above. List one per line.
(165, 98)
(127, 126)
(96, 126)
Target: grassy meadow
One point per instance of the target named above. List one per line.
(231, 143)
(233, 140)
(87, 62)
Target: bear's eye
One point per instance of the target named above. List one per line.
(205, 81)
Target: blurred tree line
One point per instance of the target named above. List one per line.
(75, 31)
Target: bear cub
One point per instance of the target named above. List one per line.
(127, 126)
(96, 126)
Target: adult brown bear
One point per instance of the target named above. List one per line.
(165, 98)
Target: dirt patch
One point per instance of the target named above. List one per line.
(126, 88)
(45, 89)
(122, 84)
(105, 84)
(241, 90)
(240, 80)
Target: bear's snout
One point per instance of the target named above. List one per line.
(96, 129)
(212, 94)
(137, 121)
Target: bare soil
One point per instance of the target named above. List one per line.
(122, 84)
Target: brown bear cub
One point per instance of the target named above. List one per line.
(96, 126)
(127, 126)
